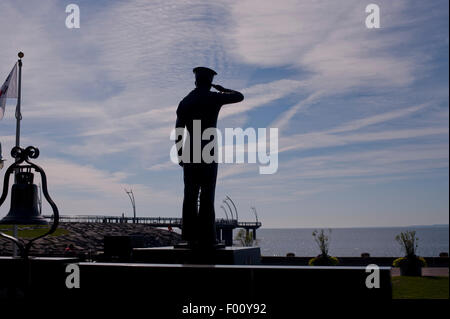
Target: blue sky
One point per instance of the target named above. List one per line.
(362, 114)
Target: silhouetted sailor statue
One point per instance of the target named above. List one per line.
(201, 106)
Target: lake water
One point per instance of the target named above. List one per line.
(349, 242)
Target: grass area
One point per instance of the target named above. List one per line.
(27, 231)
(405, 287)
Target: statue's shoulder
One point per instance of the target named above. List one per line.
(185, 103)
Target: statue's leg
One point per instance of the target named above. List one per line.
(207, 216)
(190, 211)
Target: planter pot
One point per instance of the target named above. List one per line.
(411, 268)
(323, 261)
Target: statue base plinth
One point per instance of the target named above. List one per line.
(182, 254)
(188, 246)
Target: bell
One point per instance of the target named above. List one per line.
(24, 202)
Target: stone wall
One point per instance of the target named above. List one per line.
(87, 238)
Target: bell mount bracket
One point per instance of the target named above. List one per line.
(24, 155)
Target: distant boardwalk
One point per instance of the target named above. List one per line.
(153, 221)
(225, 226)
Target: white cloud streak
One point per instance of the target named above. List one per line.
(110, 89)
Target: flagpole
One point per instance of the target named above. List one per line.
(18, 119)
(19, 93)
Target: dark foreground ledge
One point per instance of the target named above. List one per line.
(167, 288)
(223, 256)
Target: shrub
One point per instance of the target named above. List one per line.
(399, 262)
(408, 241)
(323, 261)
(245, 238)
(322, 240)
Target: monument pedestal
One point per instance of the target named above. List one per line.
(179, 255)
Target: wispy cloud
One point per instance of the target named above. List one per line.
(376, 119)
(320, 140)
(350, 103)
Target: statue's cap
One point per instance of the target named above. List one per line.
(204, 71)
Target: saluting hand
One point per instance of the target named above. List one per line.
(219, 88)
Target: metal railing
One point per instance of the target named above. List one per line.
(152, 221)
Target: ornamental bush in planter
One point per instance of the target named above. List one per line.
(324, 242)
(411, 264)
(245, 238)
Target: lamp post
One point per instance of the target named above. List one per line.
(225, 211)
(229, 207)
(133, 203)
(254, 212)
(235, 209)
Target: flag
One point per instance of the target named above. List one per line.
(8, 89)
